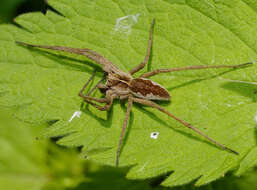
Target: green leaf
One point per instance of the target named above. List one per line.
(7, 9)
(104, 178)
(43, 85)
(248, 181)
(27, 163)
(21, 157)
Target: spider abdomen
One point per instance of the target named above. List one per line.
(147, 89)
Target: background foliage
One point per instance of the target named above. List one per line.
(39, 105)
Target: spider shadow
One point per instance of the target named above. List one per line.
(244, 89)
(161, 121)
(149, 64)
(66, 61)
(129, 123)
(247, 90)
(201, 79)
(108, 121)
(84, 107)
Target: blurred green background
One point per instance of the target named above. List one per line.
(11, 8)
(27, 163)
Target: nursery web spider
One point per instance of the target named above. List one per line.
(122, 85)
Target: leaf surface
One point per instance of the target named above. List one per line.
(43, 85)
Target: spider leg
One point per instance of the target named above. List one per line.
(188, 125)
(148, 51)
(99, 82)
(125, 122)
(91, 78)
(87, 97)
(86, 52)
(101, 108)
(108, 100)
(99, 100)
(155, 72)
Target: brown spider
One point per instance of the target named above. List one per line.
(122, 85)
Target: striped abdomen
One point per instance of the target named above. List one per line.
(147, 89)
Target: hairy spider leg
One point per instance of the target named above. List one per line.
(87, 97)
(158, 71)
(188, 125)
(101, 108)
(148, 51)
(125, 124)
(86, 52)
(95, 87)
(86, 84)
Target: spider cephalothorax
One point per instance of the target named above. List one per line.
(122, 85)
